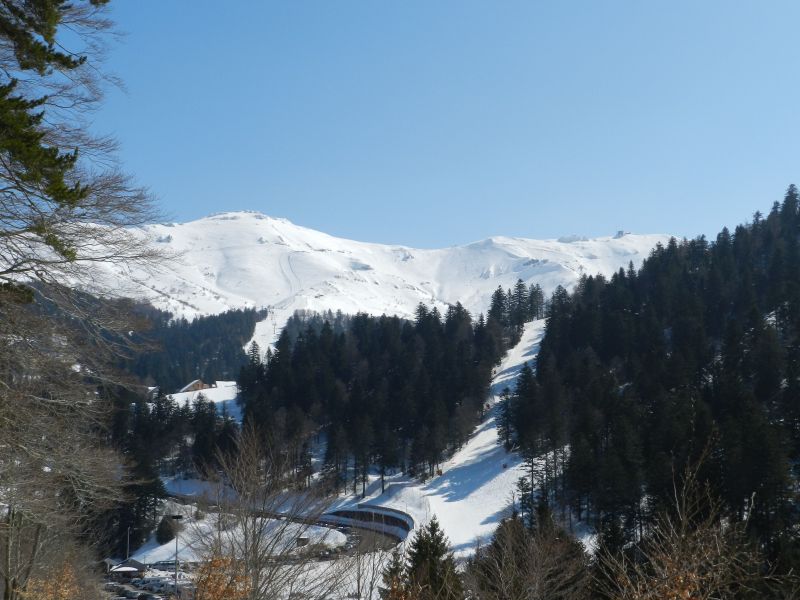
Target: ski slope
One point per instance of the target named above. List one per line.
(475, 489)
(246, 259)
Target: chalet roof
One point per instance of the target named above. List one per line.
(128, 566)
(189, 385)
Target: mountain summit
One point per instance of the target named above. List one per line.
(247, 259)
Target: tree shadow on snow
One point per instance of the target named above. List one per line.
(460, 481)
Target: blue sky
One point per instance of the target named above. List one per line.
(438, 123)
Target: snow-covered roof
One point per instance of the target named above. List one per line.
(190, 385)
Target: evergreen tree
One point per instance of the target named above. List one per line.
(504, 423)
(639, 373)
(498, 309)
(535, 302)
(519, 305)
(394, 587)
(166, 530)
(527, 501)
(430, 567)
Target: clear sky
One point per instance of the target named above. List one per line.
(432, 123)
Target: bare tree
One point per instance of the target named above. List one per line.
(266, 527)
(221, 578)
(65, 204)
(522, 565)
(692, 552)
(66, 209)
(363, 568)
(64, 577)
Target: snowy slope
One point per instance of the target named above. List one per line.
(247, 259)
(474, 491)
(190, 540)
(223, 395)
(470, 497)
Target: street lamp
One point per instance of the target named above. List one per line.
(128, 547)
(176, 518)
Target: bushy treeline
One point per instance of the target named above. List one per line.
(689, 551)
(157, 436)
(208, 347)
(643, 372)
(388, 392)
(516, 306)
(303, 320)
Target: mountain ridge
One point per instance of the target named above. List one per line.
(248, 259)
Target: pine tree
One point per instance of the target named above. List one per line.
(505, 422)
(393, 577)
(430, 567)
(535, 302)
(165, 531)
(520, 307)
(498, 309)
(527, 501)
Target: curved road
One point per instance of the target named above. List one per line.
(360, 538)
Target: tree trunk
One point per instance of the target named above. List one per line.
(8, 579)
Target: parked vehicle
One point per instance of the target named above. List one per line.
(146, 582)
(156, 586)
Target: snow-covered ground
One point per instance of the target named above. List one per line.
(224, 395)
(194, 530)
(475, 489)
(246, 259)
(471, 496)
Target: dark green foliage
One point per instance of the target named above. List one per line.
(30, 27)
(386, 391)
(180, 351)
(39, 176)
(526, 502)
(158, 437)
(504, 423)
(428, 572)
(166, 530)
(393, 577)
(16, 293)
(641, 372)
(430, 569)
(135, 515)
(522, 562)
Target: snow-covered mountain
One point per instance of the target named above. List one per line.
(247, 259)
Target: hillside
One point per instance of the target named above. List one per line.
(692, 359)
(247, 259)
(477, 484)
